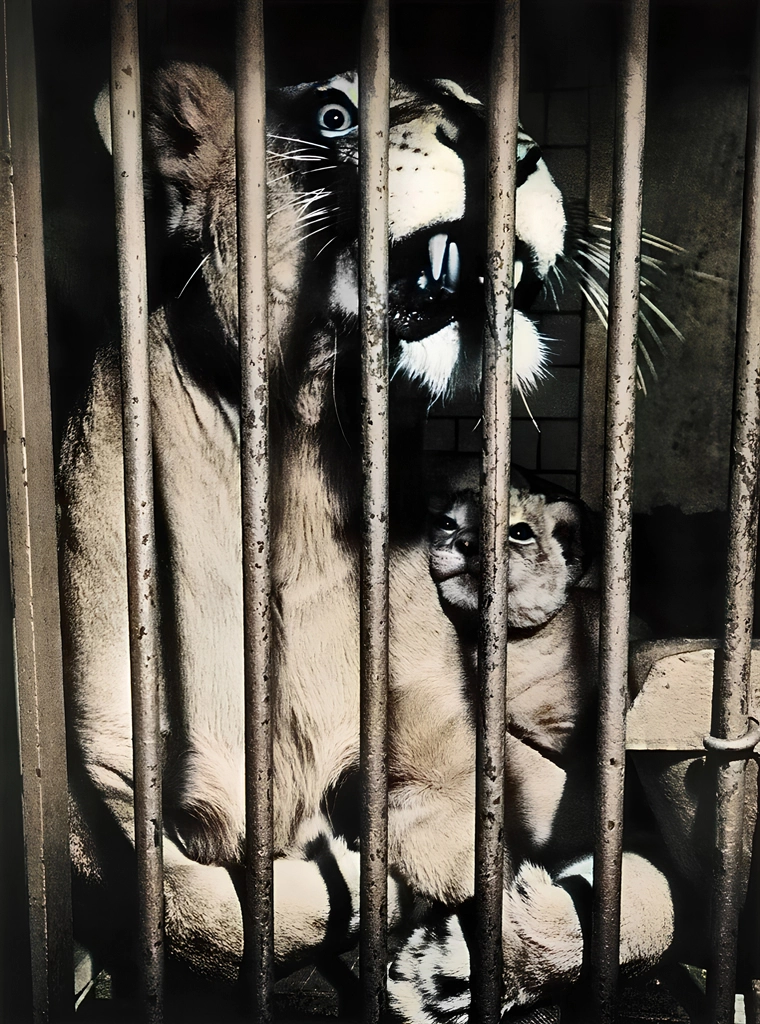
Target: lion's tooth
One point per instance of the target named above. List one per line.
(518, 272)
(452, 269)
(436, 251)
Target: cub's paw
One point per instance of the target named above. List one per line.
(429, 980)
(541, 933)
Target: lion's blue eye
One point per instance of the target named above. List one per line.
(334, 119)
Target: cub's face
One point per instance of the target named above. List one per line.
(454, 550)
(436, 220)
(545, 557)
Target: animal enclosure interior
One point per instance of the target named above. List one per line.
(694, 174)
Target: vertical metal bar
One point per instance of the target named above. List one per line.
(732, 661)
(374, 103)
(32, 534)
(492, 867)
(594, 371)
(250, 135)
(618, 492)
(126, 127)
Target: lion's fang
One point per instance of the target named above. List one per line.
(437, 251)
(452, 270)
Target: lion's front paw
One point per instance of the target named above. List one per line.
(429, 980)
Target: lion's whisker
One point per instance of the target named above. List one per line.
(325, 246)
(290, 174)
(647, 358)
(655, 336)
(304, 200)
(182, 289)
(519, 387)
(303, 142)
(661, 243)
(592, 303)
(312, 157)
(666, 320)
(334, 394)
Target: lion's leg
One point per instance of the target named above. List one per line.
(315, 908)
(204, 924)
(316, 892)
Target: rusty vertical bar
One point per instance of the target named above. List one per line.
(31, 525)
(374, 103)
(250, 137)
(492, 867)
(126, 128)
(630, 124)
(732, 661)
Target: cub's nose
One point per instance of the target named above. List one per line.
(466, 543)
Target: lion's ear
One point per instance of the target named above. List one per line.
(102, 110)
(190, 124)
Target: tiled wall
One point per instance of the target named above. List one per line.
(559, 121)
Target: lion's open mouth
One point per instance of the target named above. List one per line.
(437, 309)
(436, 278)
(426, 279)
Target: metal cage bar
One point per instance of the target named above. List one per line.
(250, 134)
(618, 494)
(731, 691)
(374, 103)
(492, 867)
(31, 525)
(126, 131)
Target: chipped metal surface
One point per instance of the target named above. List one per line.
(250, 134)
(126, 122)
(492, 868)
(31, 525)
(618, 494)
(374, 102)
(732, 662)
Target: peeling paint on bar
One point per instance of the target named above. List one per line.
(374, 102)
(492, 867)
(618, 495)
(126, 121)
(250, 122)
(28, 461)
(732, 661)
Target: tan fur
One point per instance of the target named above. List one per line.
(315, 590)
(315, 573)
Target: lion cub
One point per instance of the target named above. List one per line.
(551, 702)
(553, 622)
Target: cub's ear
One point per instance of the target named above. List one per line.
(189, 124)
(574, 531)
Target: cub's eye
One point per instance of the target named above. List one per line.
(443, 522)
(521, 533)
(333, 119)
